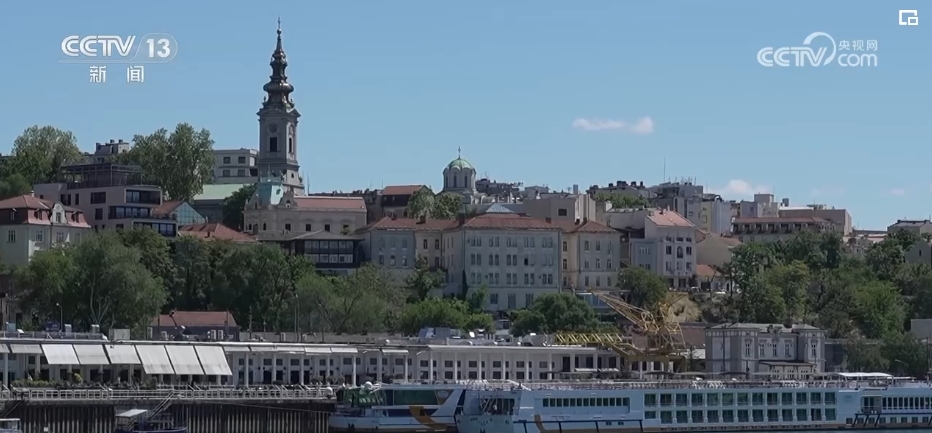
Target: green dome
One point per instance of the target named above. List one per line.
(460, 163)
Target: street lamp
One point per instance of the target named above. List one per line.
(61, 317)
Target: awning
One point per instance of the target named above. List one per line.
(184, 360)
(4, 348)
(154, 359)
(214, 360)
(236, 349)
(263, 348)
(60, 354)
(91, 354)
(132, 413)
(122, 354)
(317, 350)
(343, 350)
(33, 349)
(394, 352)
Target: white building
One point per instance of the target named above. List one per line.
(668, 247)
(235, 166)
(274, 209)
(753, 348)
(30, 224)
(590, 255)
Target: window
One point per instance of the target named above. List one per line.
(241, 173)
(226, 173)
(98, 197)
(424, 243)
(564, 264)
(99, 213)
(288, 227)
(40, 236)
(60, 237)
(586, 245)
(345, 226)
(436, 244)
(561, 212)
(326, 227)
(77, 199)
(564, 246)
(241, 160)
(11, 236)
(307, 227)
(273, 144)
(290, 145)
(226, 159)
(598, 245)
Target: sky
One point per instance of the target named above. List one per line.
(543, 92)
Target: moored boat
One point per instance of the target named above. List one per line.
(398, 408)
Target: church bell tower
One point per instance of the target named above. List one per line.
(278, 126)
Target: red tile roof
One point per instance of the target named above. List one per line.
(166, 208)
(668, 218)
(414, 224)
(75, 217)
(215, 231)
(26, 201)
(508, 222)
(331, 203)
(401, 189)
(214, 319)
(585, 227)
(707, 271)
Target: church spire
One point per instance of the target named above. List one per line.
(278, 88)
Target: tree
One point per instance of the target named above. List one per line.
(40, 152)
(553, 313)
(180, 162)
(646, 288)
(153, 251)
(194, 272)
(235, 204)
(424, 203)
(791, 281)
(365, 301)
(98, 281)
(424, 279)
(443, 313)
(13, 185)
(622, 201)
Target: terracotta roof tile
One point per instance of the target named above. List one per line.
(668, 218)
(401, 189)
(215, 231)
(706, 271)
(166, 208)
(331, 203)
(508, 222)
(586, 227)
(26, 201)
(414, 224)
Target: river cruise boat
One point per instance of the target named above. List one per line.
(398, 407)
(845, 400)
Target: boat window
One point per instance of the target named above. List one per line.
(415, 397)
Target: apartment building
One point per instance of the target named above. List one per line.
(916, 227)
(111, 196)
(840, 218)
(668, 247)
(632, 189)
(235, 166)
(795, 352)
(706, 211)
(273, 210)
(560, 207)
(590, 255)
(762, 206)
(393, 199)
(515, 256)
(776, 228)
(31, 224)
(107, 152)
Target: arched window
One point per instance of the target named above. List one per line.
(263, 227)
(679, 252)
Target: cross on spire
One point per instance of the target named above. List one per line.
(279, 24)
(459, 152)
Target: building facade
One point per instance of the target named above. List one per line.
(235, 166)
(111, 196)
(331, 253)
(108, 152)
(277, 210)
(775, 228)
(795, 352)
(590, 255)
(29, 224)
(668, 247)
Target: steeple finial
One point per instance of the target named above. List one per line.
(459, 152)
(278, 88)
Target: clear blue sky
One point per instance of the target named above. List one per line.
(389, 90)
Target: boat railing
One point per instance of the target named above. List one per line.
(273, 393)
(674, 385)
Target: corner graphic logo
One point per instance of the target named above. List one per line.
(820, 49)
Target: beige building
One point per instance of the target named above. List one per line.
(590, 255)
(111, 196)
(288, 212)
(714, 250)
(107, 152)
(29, 224)
(235, 166)
(560, 207)
(773, 350)
(840, 218)
(668, 247)
(774, 229)
(516, 257)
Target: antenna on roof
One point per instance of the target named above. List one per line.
(665, 169)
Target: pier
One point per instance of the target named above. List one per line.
(203, 410)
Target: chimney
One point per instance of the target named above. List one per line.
(394, 217)
(549, 220)
(641, 184)
(461, 217)
(112, 141)
(422, 219)
(575, 189)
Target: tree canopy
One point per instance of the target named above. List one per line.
(646, 289)
(38, 156)
(809, 278)
(180, 162)
(622, 201)
(235, 204)
(552, 313)
(424, 203)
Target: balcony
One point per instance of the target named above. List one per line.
(102, 176)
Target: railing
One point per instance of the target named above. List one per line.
(686, 385)
(163, 394)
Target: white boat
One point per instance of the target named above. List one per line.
(10, 425)
(398, 408)
(846, 400)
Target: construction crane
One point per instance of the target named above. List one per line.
(665, 340)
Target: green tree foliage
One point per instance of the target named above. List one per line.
(14, 184)
(622, 201)
(554, 313)
(40, 152)
(646, 288)
(424, 203)
(447, 313)
(97, 281)
(180, 162)
(810, 279)
(424, 279)
(365, 301)
(234, 205)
